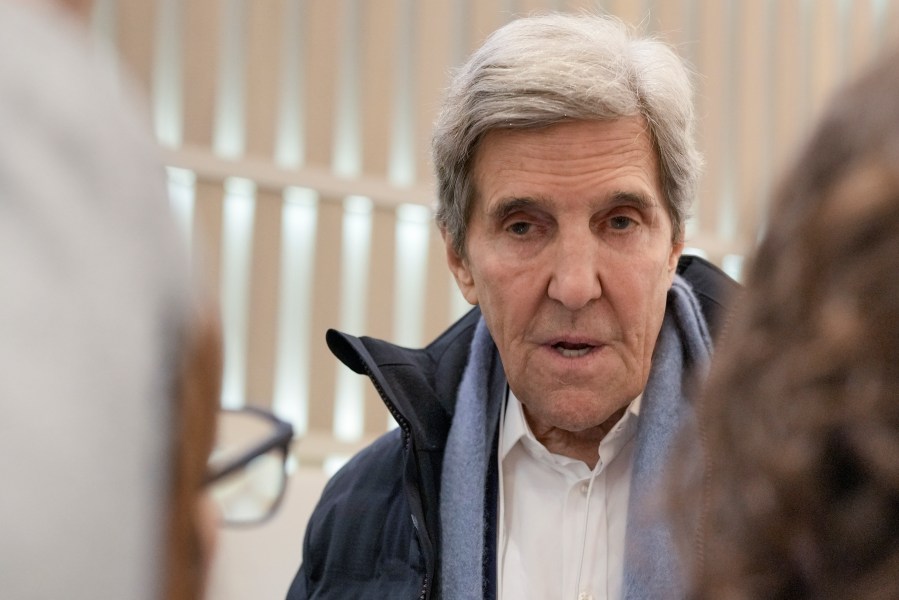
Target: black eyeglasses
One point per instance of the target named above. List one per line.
(247, 471)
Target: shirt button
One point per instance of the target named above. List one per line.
(584, 596)
(585, 487)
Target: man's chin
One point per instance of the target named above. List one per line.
(577, 415)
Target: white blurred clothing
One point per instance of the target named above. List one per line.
(93, 304)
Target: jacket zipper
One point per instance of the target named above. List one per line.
(404, 424)
(407, 436)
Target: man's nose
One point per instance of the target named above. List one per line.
(575, 279)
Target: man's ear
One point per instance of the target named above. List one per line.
(459, 267)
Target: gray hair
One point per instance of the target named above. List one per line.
(541, 70)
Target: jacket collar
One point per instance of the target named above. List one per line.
(418, 386)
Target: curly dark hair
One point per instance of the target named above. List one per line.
(795, 491)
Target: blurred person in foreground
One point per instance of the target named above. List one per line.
(533, 434)
(109, 366)
(797, 490)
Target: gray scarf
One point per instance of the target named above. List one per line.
(651, 569)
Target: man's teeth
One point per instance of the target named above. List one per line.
(572, 353)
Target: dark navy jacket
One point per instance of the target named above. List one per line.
(375, 532)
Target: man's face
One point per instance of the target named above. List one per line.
(569, 255)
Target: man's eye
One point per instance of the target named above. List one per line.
(620, 223)
(519, 228)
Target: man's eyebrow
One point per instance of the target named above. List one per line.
(507, 206)
(638, 200)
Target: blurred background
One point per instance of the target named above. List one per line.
(296, 134)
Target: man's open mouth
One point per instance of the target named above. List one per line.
(569, 350)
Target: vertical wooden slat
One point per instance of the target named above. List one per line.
(230, 120)
(325, 313)
(435, 43)
(669, 19)
(265, 270)
(297, 290)
(485, 17)
(890, 25)
(378, 49)
(290, 144)
(135, 37)
(379, 317)
(434, 47)
(524, 8)
(576, 6)
(750, 174)
(167, 97)
(322, 35)
(207, 232)
(404, 110)
(825, 54)
(202, 22)
(786, 123)
(263, 45)
(263, 61)
(629, 11)
(862, 37)
(711, 97)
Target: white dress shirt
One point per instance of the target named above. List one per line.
(561, 525)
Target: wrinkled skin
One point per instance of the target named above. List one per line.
(569, 254)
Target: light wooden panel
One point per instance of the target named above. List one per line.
(262, 75)
(711, 98)
(670, 22)
(751, 173)
(379, 304)
(378, 72)
(202, 25)
(322, 35)
(891, 25)
(862, 42)
(785, 126)
(484, 18)
(325, 313)
(524, 8)
(631, 11)
(577, 6)
(263, 29)
(262, 326)
(433, 39)
(207, 232)
(826, 57)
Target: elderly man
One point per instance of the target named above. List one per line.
(534, 432)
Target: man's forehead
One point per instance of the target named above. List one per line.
(628, 136)
(612, 161)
